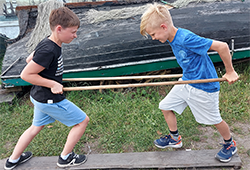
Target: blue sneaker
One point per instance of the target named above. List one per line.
(226, 153)
(168, 141)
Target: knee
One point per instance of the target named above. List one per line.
(221, 124)
(85, 121)
(167, 112)
(34, 130)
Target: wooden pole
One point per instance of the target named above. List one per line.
(124, 78)
(143, 84)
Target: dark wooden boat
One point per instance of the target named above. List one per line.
(3, 44)
(115, 47)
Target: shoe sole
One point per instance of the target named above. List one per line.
(169, 146)
(9, 168)
(71, 164)
(18, 163)
(226, 160)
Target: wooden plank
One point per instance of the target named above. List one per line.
(10, 90)
(167, 159)
(7, 97)
(135, 160)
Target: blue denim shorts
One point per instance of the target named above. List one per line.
(64, 111)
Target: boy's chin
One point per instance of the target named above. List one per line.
(67, 42)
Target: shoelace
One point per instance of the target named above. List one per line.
(225, 146)
(229, 147)
(89, 151)
(76, 156)
(163, 137)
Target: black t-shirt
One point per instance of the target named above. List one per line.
(48, 54)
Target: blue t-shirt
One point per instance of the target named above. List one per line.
(190, 51)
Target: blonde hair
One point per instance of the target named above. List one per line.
(154, 16)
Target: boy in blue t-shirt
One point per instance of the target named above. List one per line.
(44, 70)
(190, 51)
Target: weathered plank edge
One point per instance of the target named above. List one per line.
(137, 160)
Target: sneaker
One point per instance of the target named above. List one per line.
(226, 153)
(23, 158)
(168, 141)
(72, 160)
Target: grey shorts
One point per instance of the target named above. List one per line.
(204, 105)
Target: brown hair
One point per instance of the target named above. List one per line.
(63, 16)
(154, 16)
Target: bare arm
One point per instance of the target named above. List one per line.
(30, 57)
(223, 51)
(30, 74)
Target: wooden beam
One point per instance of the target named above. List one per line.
(138, 160)
(10, 90)
(142, 84)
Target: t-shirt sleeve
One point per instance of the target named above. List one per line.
(43, 58)
(198, 44)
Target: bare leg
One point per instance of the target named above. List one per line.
(25, 140)
(223, 128)
(74, 136)
(170, 119)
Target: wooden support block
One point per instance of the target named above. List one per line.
(7, 95)
(138, 160)
(10, 90)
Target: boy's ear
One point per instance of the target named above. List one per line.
(164, 26)
(58, 28)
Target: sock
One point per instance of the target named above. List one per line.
(174, 134)
(13, 160)
(229, 140)
(65, 157)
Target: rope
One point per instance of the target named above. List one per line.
(183, 3)
(95, 16)
(42, 28)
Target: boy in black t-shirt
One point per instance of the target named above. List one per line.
(44, 70)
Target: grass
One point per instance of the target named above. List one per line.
(120, 121)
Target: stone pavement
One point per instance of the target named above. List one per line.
(136, 160)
